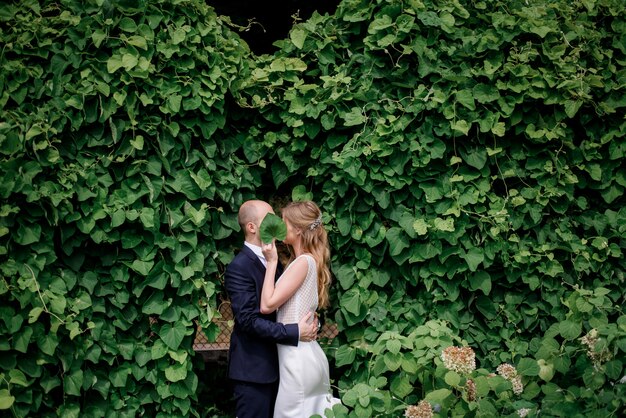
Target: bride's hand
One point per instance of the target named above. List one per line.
(269, 252)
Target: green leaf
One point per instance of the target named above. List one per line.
(474, 257)
(401, 385)
(48, 343)
(477, 158)
(570, 330)
(612, 193)
(172, 335)
(613, 369)
(487, 409)
(546, 370)
(498, 129)
(409, 364)
(97, 37)
(438, 396)
(542, 31)
(178, 35)
(173, 102)
(137, 142)
(120, 96)
(22, 339)
(73, 383)
(351, 301)
(128, 25)
(129, 61)
(34, 313)
(272, 227)
(299, 193)
(354, 117)
(452, 378)
(119, 376)
(572, 106)
(138, 41)
(393, 346)
(88, 280)
(17, 377)
(176, 372)
(466, 98)
(50, 382)
(197, 216)
(345, 275)
(114, 63)
(142, 267)
(485, 93)
(155, 305)
(6, 400)
(481, 280)
(34, 131)
(482, 386)
(27, 235)
(82, 301)
(158, 350)
(298, 36)
(461, 126)
(344, 355)
(392, 361)
(118, 218)
(528, 367)
(446, 225)
(397, 239)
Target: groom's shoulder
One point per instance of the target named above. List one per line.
(241, 258)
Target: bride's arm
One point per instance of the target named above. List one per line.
(275, 295)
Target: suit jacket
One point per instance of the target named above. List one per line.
(252, 354)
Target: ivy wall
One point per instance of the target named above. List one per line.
(118, 182)
(468, 157)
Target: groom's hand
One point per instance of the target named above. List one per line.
(308, 331)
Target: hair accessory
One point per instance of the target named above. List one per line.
(316, 223)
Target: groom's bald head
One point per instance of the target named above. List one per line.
(251, 214)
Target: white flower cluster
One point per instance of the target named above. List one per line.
(422, 410)
(470, 390)
(590, 340)
(509, 372)
(459, 359)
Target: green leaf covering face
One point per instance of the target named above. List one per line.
(272, 227)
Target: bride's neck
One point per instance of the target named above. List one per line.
(297, 249)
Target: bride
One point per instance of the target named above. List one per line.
(304, 387)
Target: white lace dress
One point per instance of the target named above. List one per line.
(304, 388)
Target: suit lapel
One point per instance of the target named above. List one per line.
(253, 258)
(257, 270)
(260, 268)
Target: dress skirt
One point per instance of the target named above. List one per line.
(304, 387)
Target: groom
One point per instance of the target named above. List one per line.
(253, 359)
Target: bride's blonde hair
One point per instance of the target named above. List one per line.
(307, 217)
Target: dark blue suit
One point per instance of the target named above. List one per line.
(253, 360)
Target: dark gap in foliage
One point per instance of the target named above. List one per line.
(214, 387)
(268, 22)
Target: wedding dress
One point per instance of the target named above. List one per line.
(304, 388)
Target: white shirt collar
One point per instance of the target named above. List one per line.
(257, 251)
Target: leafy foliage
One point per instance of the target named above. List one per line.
(470, 156)
(113, 177)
